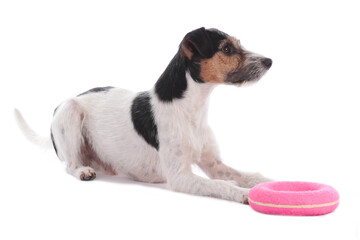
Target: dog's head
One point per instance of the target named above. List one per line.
(216, 57)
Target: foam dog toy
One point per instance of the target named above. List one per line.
(293, 198)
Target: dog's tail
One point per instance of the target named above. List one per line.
(43, 142)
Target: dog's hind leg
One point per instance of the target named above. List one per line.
(67, 131)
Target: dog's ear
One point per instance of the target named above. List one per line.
(197, 42)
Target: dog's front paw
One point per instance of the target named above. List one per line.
(246, 200)
(245, 196)
(86, 174)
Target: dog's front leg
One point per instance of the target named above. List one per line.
(212, 165)
(176, 164)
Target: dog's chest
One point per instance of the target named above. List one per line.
(181, 124)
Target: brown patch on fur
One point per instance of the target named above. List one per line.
(216, 69)
(235, 42)
(91, 159)
(211, 165)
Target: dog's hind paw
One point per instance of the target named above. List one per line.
(86, 174)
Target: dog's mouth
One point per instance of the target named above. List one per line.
(251, 72)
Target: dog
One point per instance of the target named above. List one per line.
(155, 136)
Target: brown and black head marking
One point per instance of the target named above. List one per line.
(210, 56)
(220, 58)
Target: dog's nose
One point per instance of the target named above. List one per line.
(267, 62)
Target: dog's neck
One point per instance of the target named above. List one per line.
(181, 96)
(176, 83)
(197, 94)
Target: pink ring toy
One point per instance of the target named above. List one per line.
(293, 198)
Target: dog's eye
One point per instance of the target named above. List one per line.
(226, 49)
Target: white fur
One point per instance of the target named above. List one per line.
(44, 142)
(184, 137)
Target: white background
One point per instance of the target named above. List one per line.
(300, 122)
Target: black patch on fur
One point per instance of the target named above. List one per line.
(53, 141)
(194, 68)
(95, 90)
(143, 119)
(172, 83)
(204, 42)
